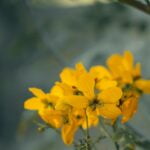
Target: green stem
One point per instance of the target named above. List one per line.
(87, 133)
(114, 129)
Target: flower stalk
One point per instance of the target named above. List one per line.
(87, 139)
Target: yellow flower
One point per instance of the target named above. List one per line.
(128, 104)
(80, 116)
(122, 67)
(76, 118)
(40, 100)
(72, 118)
(52, 117)
(129, 79)
(102, 103)
(100, 72)
(61, 119)
(103, 78)
(79, 90)
(129, 107)
(68, 131)
(82, 96)
(69, 76)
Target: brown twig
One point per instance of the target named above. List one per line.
(137, 4)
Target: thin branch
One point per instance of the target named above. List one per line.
(148, 2)
(137, 4)
(87, 132)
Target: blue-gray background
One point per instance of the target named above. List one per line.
(37, 40)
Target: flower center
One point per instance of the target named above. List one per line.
(65, 120)
(94, 104)
(48, 103)
(78, 117)
(77, 92)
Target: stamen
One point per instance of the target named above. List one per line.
(78, 117)
(48, 103)
(77, 92)
(65, 120)
(94, 104)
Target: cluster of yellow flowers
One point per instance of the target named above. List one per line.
(82, 96)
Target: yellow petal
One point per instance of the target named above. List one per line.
(66, 89)
(127, 77)
(121, 66)
(67, 132)
(137, 70)
(52, 117)
(105, 84)
(93, 120)
(57, 90)
(110, 96)
(86, 84)
(100, 72)
(114, 63)
(61, 105)
(143, 85)
(80, 68)
(68, 76)
(109, 111)
(128, 60)
(76, 101)
(33, 104)
(78, 115)
(129, 108)
(52, 98)
(37, 92)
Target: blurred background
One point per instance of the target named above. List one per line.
(40, 37)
